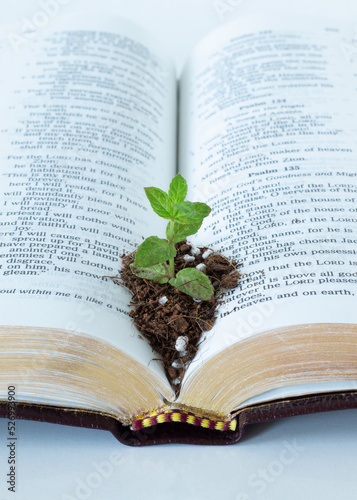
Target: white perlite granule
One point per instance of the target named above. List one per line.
(206, 254)
(176, 364)
(176, 381)
(163, 300)
(181, 343)
(188, 258)
(195, 250)
(201, 267)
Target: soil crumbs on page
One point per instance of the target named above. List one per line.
(170, 320)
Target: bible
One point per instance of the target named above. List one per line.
(261, 123)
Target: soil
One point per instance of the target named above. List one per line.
(177, 314)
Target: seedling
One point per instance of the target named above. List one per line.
(154, 259)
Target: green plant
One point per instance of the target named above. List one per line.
(154, 259)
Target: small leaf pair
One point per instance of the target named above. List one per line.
(190, 280)
(162, 202)
(185, 217)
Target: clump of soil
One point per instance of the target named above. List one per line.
(173, 321)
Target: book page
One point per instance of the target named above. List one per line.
(268, 140)
(88, 119)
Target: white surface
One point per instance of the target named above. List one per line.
(53, 462)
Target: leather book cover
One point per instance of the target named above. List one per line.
(183, 433)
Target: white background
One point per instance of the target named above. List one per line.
(57, 462)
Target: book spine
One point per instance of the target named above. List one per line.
(176, 415)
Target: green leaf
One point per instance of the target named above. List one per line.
(191, 212)
(194, 283)
(182, 230)
(158, 273)
(159, 201)
(178, 189)
(154, 251)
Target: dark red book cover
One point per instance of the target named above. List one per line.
(183, 433)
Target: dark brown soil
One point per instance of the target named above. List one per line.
(162, 323)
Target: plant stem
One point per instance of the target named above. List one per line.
(171, 242)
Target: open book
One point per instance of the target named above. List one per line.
(266, 131)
